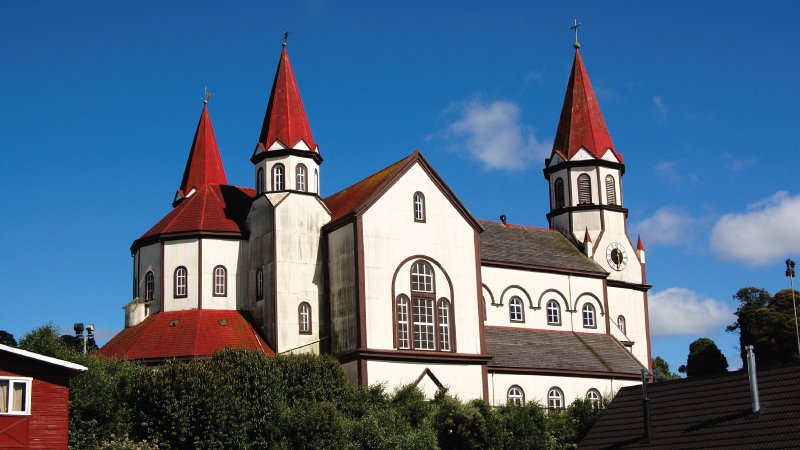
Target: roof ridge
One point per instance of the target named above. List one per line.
(533, 227)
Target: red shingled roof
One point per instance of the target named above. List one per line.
(204, 165)
(581, 124)
(213, 208)
(184, 334)
(285, 120)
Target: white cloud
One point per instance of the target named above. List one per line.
(768, 231)
(659, 105)
(679, 311)
(667, 226)
(492, 133)
(669, 174)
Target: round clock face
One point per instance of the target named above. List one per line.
(616, 256)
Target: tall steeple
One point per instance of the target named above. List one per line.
(204, 165)
(581, 124)
(285, 122)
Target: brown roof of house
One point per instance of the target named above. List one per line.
(532, 246)
(712, 412)
(558, 351)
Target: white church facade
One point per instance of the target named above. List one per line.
(393, 276)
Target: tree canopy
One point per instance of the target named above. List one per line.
(7, 338)
(661, 370)
(767, 323)
(704, 359)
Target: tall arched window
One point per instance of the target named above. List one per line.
(515, 395)
(593, 395)
(304, 317)
(260, 186)
(181, 276)
(423, 294)
(611, 190)
(444, 324)
(419, 207)
(584, 189)
(588, 316)
(621, 324)
(402, 323)
(558, 187)
(220, 281)
(259, 284)
(515, 310)
(277, 177)
(555, 398)
(300, 178)
(553, 313)
(149, 286)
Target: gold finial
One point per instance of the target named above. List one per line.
(286, 37)
(575, 26)
(207, 95)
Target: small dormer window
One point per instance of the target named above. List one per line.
(300, 178)
(278, 177)
(584, 189)
(611, 190)
(419, 207)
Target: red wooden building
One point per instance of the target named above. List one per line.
(34, 399)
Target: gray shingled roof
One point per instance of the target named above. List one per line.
(532, 246)
(711, 412)
(557, 350)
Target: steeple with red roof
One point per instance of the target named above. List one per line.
(581, 125)
(204, 165)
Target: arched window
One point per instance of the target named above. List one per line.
(259, 284)
(419, 207)
(402, 323)
(300, 178)
(553, 313)
(304, 317)
(611, 190)
(515, 310)
(220, 281)
(558, 187)
(555, 398)
(444, 324)
(584, 189)
(149, 286)
(260, 187)
(277, 177)
(423, 294)
(621, 324)
(515, 395)
(593, 395)
(588, 316)
(181, 276)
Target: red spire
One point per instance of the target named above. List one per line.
(581, 124)
(639, 245)
(204, 165)
(285, 120)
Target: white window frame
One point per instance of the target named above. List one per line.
(555, 398)
(422, 277)
(181, 282)
(300, 178)
(515, 396)
(593, 395)
(304, 313)
(424, 316)
(554, 312)
(622, 325)
(515, 311)
(10, 400)
(220, 281)
(444, 324)
(419, 207)
(403, 341)
(589, 316)
(278, 175)
(149, 286)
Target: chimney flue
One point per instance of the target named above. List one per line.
(751, 371)
(648, 431)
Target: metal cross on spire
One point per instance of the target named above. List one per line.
(286, 37)
(575, 26)
(207, 95)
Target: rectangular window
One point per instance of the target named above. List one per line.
(15, 395)
(444, 326)
(424, 336)
(421, 278)
(402, 323)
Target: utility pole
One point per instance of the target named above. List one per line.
(790, 274)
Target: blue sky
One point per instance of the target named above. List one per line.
(100, 101)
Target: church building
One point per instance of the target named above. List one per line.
(393, 276)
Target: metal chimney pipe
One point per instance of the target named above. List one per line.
(751, 371)
(648, 431)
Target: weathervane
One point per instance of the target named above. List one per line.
(286, 37)
(207, 95)
(575, 26)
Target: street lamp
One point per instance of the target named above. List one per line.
(790, 274)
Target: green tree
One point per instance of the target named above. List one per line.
(767, 323)
(661, 370)
(7, 338)
(704, 359)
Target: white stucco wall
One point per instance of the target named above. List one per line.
(391, 236)
(181, 253)
(536, 387)
(342, 290)
(462, 381)
(630, 303)
(225, 253)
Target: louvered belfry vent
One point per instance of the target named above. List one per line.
(611, 191)
(584, 190)
(559, 188)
